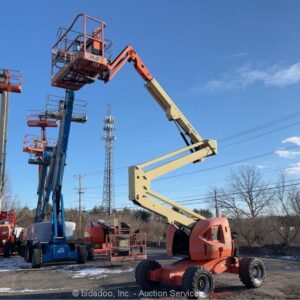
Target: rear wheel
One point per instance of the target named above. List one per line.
(91, 254)
(22, 251)
(25, 253)
(28, 252)
(197, 282)
(36, 258)
(82, 254)
(7, 250)
(252, 272)
(141, 273)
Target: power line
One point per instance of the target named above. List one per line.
(214, 196)
(241, 193)
(220, 179)
(203, 198)
(101, 172)
(262, 126)
(236, 135)
(225, 165)
(260, 135)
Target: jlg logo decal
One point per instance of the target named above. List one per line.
(93, 58)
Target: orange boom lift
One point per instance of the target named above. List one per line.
(79, 58)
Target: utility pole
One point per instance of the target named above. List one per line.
(80, 192)
(216, 203)
(10, 81)
(108, 185)
(3, 140)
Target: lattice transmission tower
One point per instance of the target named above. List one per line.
(108, 181)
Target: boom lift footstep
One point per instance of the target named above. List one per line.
(207, 243)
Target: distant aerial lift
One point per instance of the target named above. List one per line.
(47, 241)
(10, 82)
(35, 145)
(117, 241)
(79, 58)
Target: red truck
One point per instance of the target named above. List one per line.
(8, 233)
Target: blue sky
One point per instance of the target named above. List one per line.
(229, 65)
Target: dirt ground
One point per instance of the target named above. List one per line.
(102, 279)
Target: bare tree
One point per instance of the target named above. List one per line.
(285, 219)
(246, 201)
(294, 198)
(9, 200)
(248, 195)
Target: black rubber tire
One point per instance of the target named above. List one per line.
(91, 254)
(82, 254)
(36, 258)
(28, 253)
(22, 251)
(252, 272)
(25, 253)
(7, 250)
(197, 282)
(141, 274)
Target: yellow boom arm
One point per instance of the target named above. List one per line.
(197, 149)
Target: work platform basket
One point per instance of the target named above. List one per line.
(38, 118)
(36, 145)
(55, 108)
(81, 54)
(10, 81)
(126, 245)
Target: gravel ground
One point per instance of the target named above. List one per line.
(102, 279)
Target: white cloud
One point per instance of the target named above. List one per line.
(293, 140)
(286, 153)
(245, 76)
(241, 54)
(260, 166)
(294, 170)
(284, 77)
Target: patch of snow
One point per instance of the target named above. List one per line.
(40, 290)
(287, 257)
(4, 290)
(98, 273)
(10, 291)
(92, 272)
(284, 257)
(79, 271)
(13, 263)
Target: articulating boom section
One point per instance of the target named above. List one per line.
(197, 149)
(83, 60)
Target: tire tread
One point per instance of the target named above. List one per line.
(245, 272)
(141, 273)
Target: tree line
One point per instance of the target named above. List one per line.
(259, 212)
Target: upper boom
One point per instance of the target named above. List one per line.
(139, 179)
(72, 69)
(158, 93)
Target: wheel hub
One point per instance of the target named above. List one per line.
(204, 284)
